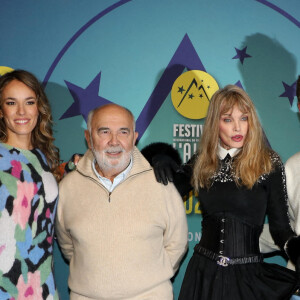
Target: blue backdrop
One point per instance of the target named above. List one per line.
(130, 52)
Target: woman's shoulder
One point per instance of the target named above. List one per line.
(3, 146)
(277, 166)
(8, 152)
(275, 158)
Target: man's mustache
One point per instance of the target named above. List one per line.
(114, 149)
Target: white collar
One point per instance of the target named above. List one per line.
(222, 152)
(117, 180)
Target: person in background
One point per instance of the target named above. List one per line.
(28, 189)
(239, 180)
(123, 232)
(292, 170)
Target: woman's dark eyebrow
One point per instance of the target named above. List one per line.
(12, 98)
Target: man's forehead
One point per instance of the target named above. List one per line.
(116, 121)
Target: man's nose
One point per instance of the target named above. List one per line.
(114, 139)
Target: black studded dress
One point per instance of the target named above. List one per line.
(227, 263)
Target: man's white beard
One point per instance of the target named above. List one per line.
(106, 165)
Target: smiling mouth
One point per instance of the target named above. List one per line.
(237, 138)
(114, 153)
(21, 122)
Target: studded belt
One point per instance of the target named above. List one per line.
(225, 261)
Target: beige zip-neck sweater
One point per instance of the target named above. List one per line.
(126, 244)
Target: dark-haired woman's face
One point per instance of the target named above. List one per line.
(19, 111)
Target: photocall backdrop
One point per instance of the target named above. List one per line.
(132, 52)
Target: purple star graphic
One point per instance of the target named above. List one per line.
(241, 54)
(84, 99)
(290, 91)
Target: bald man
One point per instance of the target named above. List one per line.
(123, 233)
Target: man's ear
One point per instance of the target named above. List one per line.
(88, 138)
(298, 106)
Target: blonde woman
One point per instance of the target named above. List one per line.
(239, 180)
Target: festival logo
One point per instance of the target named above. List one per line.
(191, 93)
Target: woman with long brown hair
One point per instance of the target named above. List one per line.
(28, 189)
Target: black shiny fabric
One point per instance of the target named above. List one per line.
(230, 237)
(233, 217)
(204, 279)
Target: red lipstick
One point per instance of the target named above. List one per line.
(237, 138)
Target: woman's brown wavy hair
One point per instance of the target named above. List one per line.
(42, 135)
(254, 158)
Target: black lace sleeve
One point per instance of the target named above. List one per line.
(182, 179)
(277, 209)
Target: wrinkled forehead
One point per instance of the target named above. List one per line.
(113, 118)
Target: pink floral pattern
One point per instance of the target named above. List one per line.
(28, 199)
(22, 204)
(32, 289)
(17, 168)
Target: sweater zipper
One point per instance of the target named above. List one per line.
(109, 193)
